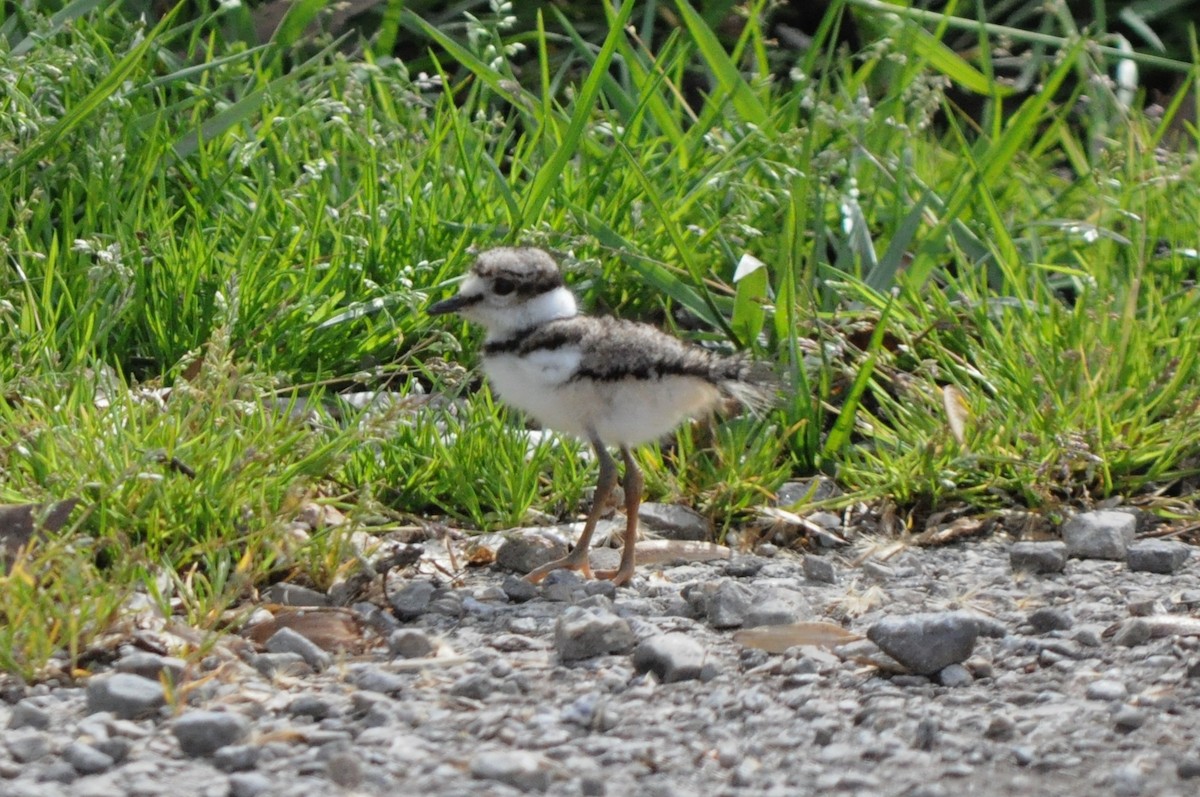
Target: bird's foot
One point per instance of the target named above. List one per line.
(619, 577)
(572, 561)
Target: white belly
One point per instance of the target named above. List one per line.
(629, 411)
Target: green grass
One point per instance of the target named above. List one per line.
(206, 242)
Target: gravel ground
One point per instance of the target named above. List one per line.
(1080, 681)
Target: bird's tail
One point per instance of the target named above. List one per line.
(750, 382)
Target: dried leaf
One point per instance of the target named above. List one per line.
(654, 552)
(957, 412)
(329, 629)
(778, 638)
(950, 532)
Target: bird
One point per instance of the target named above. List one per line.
(609, 381)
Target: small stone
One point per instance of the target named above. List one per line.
(818, 488)
(927, 732)
(592, 786)
(1106, 689)
(767, 550)
(1128, 781)
(58, 772)
(1145, 604)
(374, 679)
(411, 601)
(526, 551)
(28, 745)
(28, 714)
(201, 733)
(312, 706)
(285, 640)
(672, 657)
(771, 611)
(955, 676)
(87, 760)
(1105, 534)
(1157, 556)
(236, 757)
(270, 665)
(1132, 632)
(1000, 728)
(581, 633)
(1038, 557)
(152, 665)
(726, 603)
(344, 769)
(1088, 636)
(248, 784)
(518, 590)
(1128, 718)
(744, 566)
(409, 643)
(675, 522)
(1050, 618)
(820, 569)
(517, 768)
(928, 642)
(1188, 768)
(294, 595)
(126, 695)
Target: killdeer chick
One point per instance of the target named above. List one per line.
(608, 381)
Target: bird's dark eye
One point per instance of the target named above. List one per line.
(503, 287)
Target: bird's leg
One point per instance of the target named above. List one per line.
(577, 559)
(633, 498)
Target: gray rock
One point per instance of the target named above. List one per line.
(955, 676)
(1050, 618)
(285, 640)
(672, 657)
(724, 603)
(27, 745)
(675, 522)
(1105, 534)
(815, 489)
(28, 714)
(1157, 556)
(344, 769)
(780, 607)
(87, 760)
(1038, 557)
(58, 771)
(1001, 728)
(248, 784)
(374, 679)
(411, 600)
(517, 768)
(1188, 768)
(518, 590)
(926, 643)
(1132, 632)
(409, 643)
(581, 633)
(236, 757)
(1128, 718)
(270, 665)
(312, 706)
(126, 695)
(1106, 689)
(152, 665)
(202, 733)
(820, 569)
(529, 550)
(294, 595)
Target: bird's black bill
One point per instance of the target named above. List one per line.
(452, 305)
